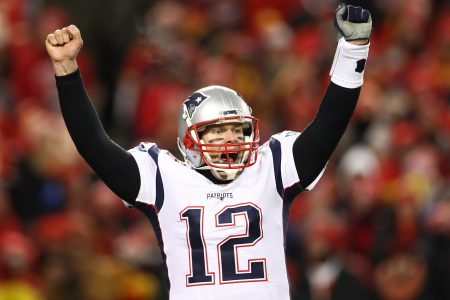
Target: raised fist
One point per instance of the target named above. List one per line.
(353, 22)
(63, 46)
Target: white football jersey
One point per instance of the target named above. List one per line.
(221, 241)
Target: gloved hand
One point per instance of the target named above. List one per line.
(353, 22)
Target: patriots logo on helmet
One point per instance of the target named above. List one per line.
(194, 101)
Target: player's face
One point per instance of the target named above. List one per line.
(229, 134)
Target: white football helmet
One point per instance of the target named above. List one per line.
(217, 105)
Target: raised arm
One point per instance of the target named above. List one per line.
(314, 146)
(113, 164)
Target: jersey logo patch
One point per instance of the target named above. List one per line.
(360, 64)
(193, 102)
(220, 196)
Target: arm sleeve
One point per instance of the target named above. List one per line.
(113, 164)
(313, 148)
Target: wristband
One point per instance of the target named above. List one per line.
(349, 64)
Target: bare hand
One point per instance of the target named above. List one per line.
(63, 46)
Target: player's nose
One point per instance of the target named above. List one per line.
(230, 136)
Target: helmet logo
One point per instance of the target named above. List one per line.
(230, 112)
(193, 102)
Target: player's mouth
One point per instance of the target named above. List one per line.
(230, 158)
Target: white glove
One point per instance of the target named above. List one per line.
(352, 22)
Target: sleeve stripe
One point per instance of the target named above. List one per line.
(154, 154)
(291, 192)
(275, 147)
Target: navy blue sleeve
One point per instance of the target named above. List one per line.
(314, 147)
(113, 164)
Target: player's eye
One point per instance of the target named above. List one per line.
(217, 131)
(238, 130)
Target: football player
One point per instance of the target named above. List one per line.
(220, 216)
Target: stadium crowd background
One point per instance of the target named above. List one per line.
(377, 226)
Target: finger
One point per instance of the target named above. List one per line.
(358, 14)
(74, 32)
(351, 13)
(52, 40)
(59, 37)
(340, 11)
(65, 35)
(365, 15)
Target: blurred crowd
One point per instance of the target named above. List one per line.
(377, 226)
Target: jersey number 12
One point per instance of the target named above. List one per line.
(227, 249)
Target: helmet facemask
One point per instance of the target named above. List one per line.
(225, 158)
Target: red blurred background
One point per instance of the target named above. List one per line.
(377, 226)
